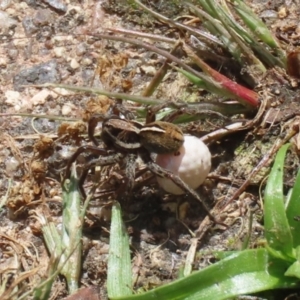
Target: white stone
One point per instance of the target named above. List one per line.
(3, 62)
(67, 109)
(59, 51)
(12, 97)
(40, 97)
(74, 64)
(11, 166)
(86, 61)
(149, 70)
(6, 21)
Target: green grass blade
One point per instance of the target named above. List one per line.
(72, 232)
(64, 247)
(277, 230)
(245, 272)
(294, 269)
(256, 25)
(259, 28)
(96, 91)
(119, 275)
(244, 53)
(293, 210)
(207, 8)
(262, 50)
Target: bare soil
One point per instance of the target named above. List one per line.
(39, 44)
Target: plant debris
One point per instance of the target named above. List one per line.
(57, 42)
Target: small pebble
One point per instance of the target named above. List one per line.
(277, 92)
(282, 12)
(268, 14)
(74, 64)
(37, 74)
(67, 109)
(11, 166)
(12, 97)
(4, 4)
(42, 17)
(28, 26)
(149, 70)
(86, 61)
(3, 62)
(12, 53)
(40, 97)
(81, 49)
(57, 5)
(59, 51)
(6, 21)
(23, 5)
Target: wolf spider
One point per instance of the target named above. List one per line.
(126, 140)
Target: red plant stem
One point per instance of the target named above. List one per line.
(250, 97)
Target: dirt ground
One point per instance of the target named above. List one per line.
(44, 41)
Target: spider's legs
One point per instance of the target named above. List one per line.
(105, 159)
(100, 161)
(124, 191)
(91, 149)
(130, 170)
(159, 171)
(202, 111)
(81, 182)
(119, 108)
(196, 110)
(126, 187)
(94, 120)
(153, 110)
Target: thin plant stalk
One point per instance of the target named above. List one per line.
(159, 76)
(237, 91)
(201, 34)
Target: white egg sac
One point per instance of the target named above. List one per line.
(192, 163)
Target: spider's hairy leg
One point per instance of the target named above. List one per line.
(125, 190)
(87, 148)
(159, 171)
(153, 110)
(93, 121)
(100, 162)
(81, 182)
(196, 110)
(130, 170)
(119, 109)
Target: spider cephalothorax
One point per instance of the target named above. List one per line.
(127, 139)
(126, 135)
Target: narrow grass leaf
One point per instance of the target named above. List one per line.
(119, 275)
(293, 211)
(215, 27)
(43, 290)
(244, 53)
(137, 99)
(190, 258)
(245, 272)
(294, 269)
(256, 25)
(206, 7)
(277, 230)
(71, 232)
(259, 28)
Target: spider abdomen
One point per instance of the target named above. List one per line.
(161, 137)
